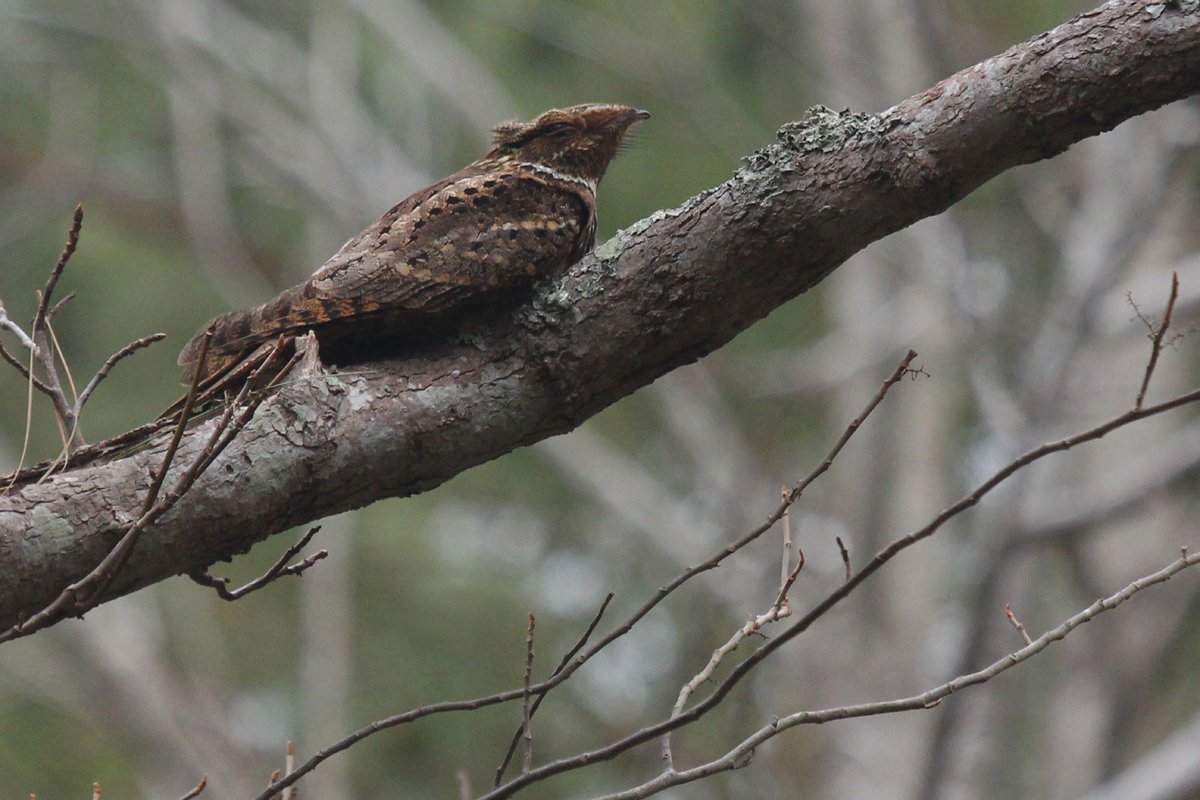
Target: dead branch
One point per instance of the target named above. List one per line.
(199, 788)
(637, 307)
(1157, 332)
(740, 755)
(88, 592)
(278, 570)
(43, 348)
(577, 659)
(579, 645)
(527, 731)
(723, 689)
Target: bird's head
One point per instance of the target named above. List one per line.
(577, 142)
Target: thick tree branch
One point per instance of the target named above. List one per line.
(670, 289)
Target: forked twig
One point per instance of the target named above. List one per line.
(883, 557)
(278, 570)
(577, 660)
(85, 594)
(537, 702)
(740, 755)
(1157, 334)
(68, 251)
(44, 349)
(779, 609)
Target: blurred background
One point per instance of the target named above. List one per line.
(223, 149)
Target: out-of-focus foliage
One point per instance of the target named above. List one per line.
(224, 148)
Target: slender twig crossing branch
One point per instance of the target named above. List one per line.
(579, 658)
(739, 672)
(278, 570)
(740, 755)
(1157, 333)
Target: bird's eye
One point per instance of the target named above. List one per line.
(557, 127)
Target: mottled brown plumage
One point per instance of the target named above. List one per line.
(526, 209)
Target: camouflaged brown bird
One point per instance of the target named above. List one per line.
(526, 209)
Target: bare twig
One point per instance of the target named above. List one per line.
(28, 423)
(199, 788)
(779, 609)
(278, 570)
(123, 353)
(900, 372)
(289, 764)
(781, 599)
(525, 715)
(845, 556)
(577, 660)
(1157, 333)
(42, 334)
(64, 456)
(579, 645)
(740, 755)
(16, 362)
(787, 543)
(59, 305)
(56, 273)
(1016, 623)
(85, 594)
(44, 349)
(651, 732)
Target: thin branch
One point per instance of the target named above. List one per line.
(28, 423)
(278, 570)
(1157, 332)
(583, 657)
(579, 645)
(289, 764)
(781, 599)
(199, 788)
(1016, 623)
(16, 362)
(651, 732)
(779, 609)
(59, 306)
(900, 372)
(123, 353)
(61, 355)
(740, 755)
(8, 325)
(72, 599)
(68, 250)
(845, 557)
(787, 543)
(64, 456)
(525, 714)
(44, 348)
(42, 344)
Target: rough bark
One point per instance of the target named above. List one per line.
(663, 293)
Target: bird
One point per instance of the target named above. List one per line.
(525, 210)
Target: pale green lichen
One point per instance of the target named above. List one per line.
(48, 527)
(820, 130)
(621, 240)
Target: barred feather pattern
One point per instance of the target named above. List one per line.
(525, 210)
